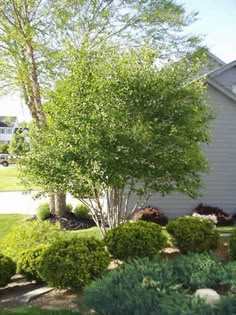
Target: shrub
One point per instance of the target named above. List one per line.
(230, 274)
(28, 234)
(198, 270)
(226, 306)
(140, 287)
(222, 217)
(193, 234)
(232, 244)
(69, 208)
(135, 239)
(151, 214)
(29, 260)
(7, 270)
(82, 212)
(43, 211)
(73, 262)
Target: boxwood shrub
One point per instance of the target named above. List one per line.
(194, 234)
(7, 270)
(43, 211)
(73, 263)
(29, 260)
(135, 239)
(28, 234)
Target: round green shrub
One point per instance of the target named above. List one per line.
(7, 270)
(69, 208)
(193, 234)
(141, 287)
(82, 212)
(43, 211)
(232, 244)
(29, 260)
(28, 234)
(73, 262)
(135, 239)
(198, 270)
(230, 274)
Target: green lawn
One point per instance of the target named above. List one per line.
(37, 311)
(9, 220)
(9, 180)
(226, 229)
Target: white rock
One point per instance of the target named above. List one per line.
(209, 295)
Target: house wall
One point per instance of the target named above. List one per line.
(6, 133)
(227, 78)
(220, 183)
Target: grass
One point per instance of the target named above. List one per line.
(9, 180)
(9, 220)
(37, 311)
(226, 229)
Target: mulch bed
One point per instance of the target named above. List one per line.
(69, 221)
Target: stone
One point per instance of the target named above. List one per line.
(210, 296)
(27, 297)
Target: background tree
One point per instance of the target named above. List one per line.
(118, 125)
(4, 148)
(19, 143)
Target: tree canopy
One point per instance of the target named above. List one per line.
(118, 124)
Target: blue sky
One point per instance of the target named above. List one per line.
(217, 20)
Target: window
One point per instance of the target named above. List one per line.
(2, 130)
(9, 130)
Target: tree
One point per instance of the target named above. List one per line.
(19, 143)
(4, 148)
(118, 125)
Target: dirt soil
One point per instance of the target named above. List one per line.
(56, 299)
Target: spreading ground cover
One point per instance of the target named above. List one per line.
(7, 221)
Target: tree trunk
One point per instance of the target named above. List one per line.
(60, 203)
(52, 203)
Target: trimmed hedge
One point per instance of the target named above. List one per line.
(73, 263)
(193, 234)
(135, 239)
(7, 270)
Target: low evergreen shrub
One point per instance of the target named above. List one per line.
(82, 212)
(230, 274)
(43, 211)
(226, 306)
(198, 270)
(141, 287)
(7, 270)
(29, 261)
(135, 239)
(28, 234)
(73, 262)
(232, 244)
(193, 234)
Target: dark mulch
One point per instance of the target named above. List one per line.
(69, 221)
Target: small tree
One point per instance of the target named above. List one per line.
(20, 143)
(4, 148)
(117, 126)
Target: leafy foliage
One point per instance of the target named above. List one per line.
(19, 143)
(151, 214)
(141, 287)
(73, 262)
(222, 217)
(29, 260)
(28, 234)
(7, 270)
(230, 274)
(43, 211)
(135, 239)
(82, 212)
(4, 148)
(198, 270)
(232, 244)
(193, 234)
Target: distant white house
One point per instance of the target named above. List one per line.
(8, 125)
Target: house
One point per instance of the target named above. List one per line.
(220, 184)
(8, 124)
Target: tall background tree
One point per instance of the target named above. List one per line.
(40, 38)
(117, 127)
